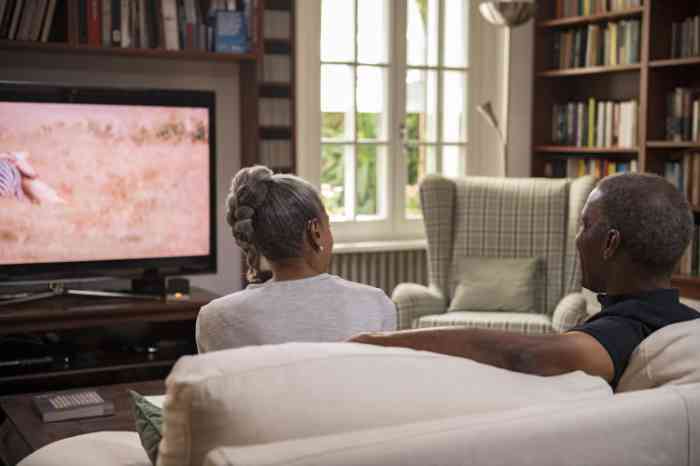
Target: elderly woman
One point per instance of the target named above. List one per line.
(18, 180)
(281, 218)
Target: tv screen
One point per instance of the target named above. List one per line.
(103, 181)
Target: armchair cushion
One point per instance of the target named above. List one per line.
(669, 356)
(496, 284)
(520, 322)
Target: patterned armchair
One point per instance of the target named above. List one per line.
(499, 218)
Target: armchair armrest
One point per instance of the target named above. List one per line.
(414, 301)
(571, 311)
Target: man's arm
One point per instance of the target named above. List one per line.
(531, 354)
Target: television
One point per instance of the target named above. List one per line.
(105, 182)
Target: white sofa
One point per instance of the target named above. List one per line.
(351, 404)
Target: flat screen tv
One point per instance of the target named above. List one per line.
(99, 182)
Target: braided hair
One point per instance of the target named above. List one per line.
(268, 214)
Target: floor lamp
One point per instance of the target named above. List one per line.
(507, 14)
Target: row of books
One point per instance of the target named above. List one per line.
(683, 115)
(684, 174)
(564, 8)
(169, 24)
(609, 44)
(26, 19)
(276, 68)
(275, 112)
(690, 261)
(276, 24)
(685, 38)
(573, 167)
(276, 153)
(595, 123)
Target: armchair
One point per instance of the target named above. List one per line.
(482, 217)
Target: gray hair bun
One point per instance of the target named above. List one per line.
(249, 189)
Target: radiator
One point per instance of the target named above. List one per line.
(382, 269)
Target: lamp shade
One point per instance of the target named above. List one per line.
(507, 13)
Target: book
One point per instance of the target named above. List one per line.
(230, 32)
(48, 21)
(25, 23)
(116, 11)
(170, 23)
(14, 25)
(37, 19)
(106, 11)
(94, 23)
(125, 26)
(71, 404)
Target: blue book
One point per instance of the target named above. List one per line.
(230, 32)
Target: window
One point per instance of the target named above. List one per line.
(393, 103)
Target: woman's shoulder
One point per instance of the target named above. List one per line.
(224, 304)
(354, 287)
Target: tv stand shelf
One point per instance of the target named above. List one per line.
(107, 339)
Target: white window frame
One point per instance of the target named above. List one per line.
(308, 81)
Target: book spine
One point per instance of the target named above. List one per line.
(116, 11)
(125, 23)
(82, 22)
(26, 20)
(14, 24)
(169, 15)
(48, 20)
(94, 23)
(106, 23)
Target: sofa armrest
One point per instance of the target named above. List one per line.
(571, 311)
(414, 301)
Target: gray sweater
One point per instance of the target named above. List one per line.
(323, 308)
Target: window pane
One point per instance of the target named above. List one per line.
(371, 102)
(373, 31)
(422, 33)
(337, 102)
(454, 159)
(337, 30)
(370, 161)
(333, 178)
(421, 160)
(421, 105)
(456, 33)
(454, 105)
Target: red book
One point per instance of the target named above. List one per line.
(94, 20)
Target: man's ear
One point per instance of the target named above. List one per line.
(612, 243)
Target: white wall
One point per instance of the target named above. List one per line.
(165, 74)
(488, 75)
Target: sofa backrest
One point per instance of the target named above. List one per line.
(272, 393)
(659, 427)
(505, 218)
(669, 356)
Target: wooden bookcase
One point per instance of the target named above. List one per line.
(648, 82)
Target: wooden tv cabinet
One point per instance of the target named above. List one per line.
(97, 341)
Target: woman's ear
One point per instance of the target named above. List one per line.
(313, 233)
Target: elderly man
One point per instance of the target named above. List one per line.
(634, 230)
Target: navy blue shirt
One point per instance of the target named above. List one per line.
(626, 320)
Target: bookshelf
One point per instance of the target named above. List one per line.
(649, 81)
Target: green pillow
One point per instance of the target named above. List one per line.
(149, 423)
(496, 284)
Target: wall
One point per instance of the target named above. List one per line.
(487, 84)
(121, 71)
